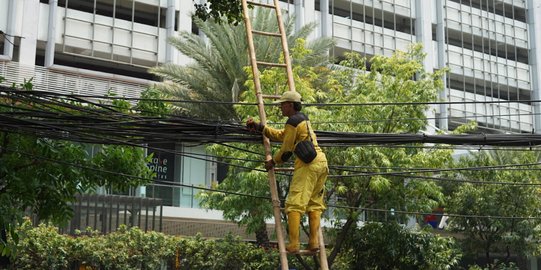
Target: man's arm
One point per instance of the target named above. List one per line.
(287, 136)
(274, 134)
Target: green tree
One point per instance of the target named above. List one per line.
(253, 211)
(217, 72)
(43, 175)
(390, 79)
(391, 246)
(229, 11)
(372, 183)
(502, 192)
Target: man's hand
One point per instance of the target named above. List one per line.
(254, 126)
(269, 164)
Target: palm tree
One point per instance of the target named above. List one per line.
(217, 72)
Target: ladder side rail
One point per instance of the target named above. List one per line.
(285, 49)
(291, 83)
(266, 142)
(324, 264)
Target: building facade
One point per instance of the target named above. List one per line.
(491, 47)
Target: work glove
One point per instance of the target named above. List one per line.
(269, 164)
(254, 126)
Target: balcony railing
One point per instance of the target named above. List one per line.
(71, 80)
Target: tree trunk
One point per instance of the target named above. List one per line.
(487, 253)
(4, 260)
(344, 232)
(261, 236)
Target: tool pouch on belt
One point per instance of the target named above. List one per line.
(305, 150)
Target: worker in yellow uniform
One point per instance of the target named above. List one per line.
(307, 188)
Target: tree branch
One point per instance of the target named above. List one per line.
(344, 232)
(5, 142)
(22, 166)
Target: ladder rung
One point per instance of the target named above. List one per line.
(271, 96)
(266, 33)
(271, 64)
(260, 4)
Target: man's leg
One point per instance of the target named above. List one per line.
(314, 218)
(316, 205)
(299, 194)
(293, 222)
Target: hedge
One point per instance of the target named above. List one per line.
(43, 247)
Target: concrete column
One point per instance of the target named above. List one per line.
(299, 14)
(325, 18)
(534, 25)
(51, 35)
(423, 30)
(442, 57)
(170, 29)
(423, 33)
(184, 24)
(310, 16)
(10, 31)
(29, 32)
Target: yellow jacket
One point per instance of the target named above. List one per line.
(295, 131)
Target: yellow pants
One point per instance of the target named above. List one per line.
(307, 188)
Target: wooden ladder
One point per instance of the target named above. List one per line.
(261, 108)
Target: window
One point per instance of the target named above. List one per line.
(121, 9)
(497, 7)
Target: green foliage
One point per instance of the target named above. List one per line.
(497, 197)
(249, 211)
(151, 104)
(390, 79)
(32, 180)
(121, 105)
(495, 266)
(229, 11)
(217, 72)
(125, 162)
(43, 247)
(228, 253)
(390, 246)
(253, 211)
(124, 249)
(44, 175)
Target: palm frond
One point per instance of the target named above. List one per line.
(220, 58)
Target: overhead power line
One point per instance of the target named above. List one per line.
(63, 120)
(287, 174)
(173, 184)
(80, 96)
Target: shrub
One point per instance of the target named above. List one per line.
(495, 266)
(391, 246)
(124, 249)
(43, 247)
(228, 253)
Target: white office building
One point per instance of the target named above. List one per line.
(492, 47)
